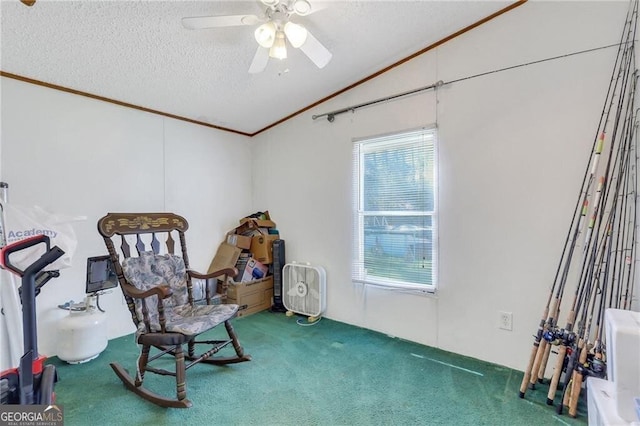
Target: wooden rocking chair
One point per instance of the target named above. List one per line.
(157, 286)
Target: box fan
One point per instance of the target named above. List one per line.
(304, 290)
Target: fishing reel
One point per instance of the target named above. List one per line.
(593, 367)
(557, 336)
(598, 368)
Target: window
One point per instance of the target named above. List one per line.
(394, 225)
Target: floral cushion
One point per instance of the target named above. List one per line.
(150, 270)
(192, 320)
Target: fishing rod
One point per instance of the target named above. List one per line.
(591, 363)
(583, 368)
(620, 260)
(577, 370)
(542, 355)
(597, 365)
(624, 225)
(630, 192)
(544, 349)
(633, 230)
(600, 204)
(540, 351)
(565, 337)
(612, 194)
(613, 86)
(580, 345)
(578, 353)
(621, 234)
(549, 316)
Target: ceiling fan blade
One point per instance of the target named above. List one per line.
(199, 22)
(260, 60)
(28, 2)
(316, 51)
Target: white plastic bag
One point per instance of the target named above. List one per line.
(24, 222)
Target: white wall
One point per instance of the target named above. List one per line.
(513, 147)
(77, 156)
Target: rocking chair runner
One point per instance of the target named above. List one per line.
(159, 294)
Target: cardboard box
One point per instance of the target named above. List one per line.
(257, 295)
(264, 222)
(240, 241)
(226, 257)
(254, 271)
(260, 223)
(262, 247)
(247, 228)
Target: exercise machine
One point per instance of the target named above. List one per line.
(31, 382)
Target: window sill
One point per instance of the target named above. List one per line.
(409, 289)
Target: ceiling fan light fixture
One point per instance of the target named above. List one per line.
(296, 34)
(302, 7)
(279, 48)
(265, 34)
(270, 2)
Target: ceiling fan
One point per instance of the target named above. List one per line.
(274, 32)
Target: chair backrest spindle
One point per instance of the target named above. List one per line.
(171, 244)
(139, 244)
(155, 244)
(183, 245)
(124, 246)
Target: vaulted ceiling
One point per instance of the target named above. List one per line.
(138, 53)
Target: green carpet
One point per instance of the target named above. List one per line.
(326, 374)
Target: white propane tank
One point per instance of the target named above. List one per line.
(82, 335)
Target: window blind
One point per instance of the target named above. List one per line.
(394, 221)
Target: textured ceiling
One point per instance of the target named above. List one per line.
(138, 52)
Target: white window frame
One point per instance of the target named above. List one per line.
(360, 275)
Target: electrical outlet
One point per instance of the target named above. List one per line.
(506, 320)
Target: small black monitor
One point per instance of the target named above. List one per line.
(100, 274)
